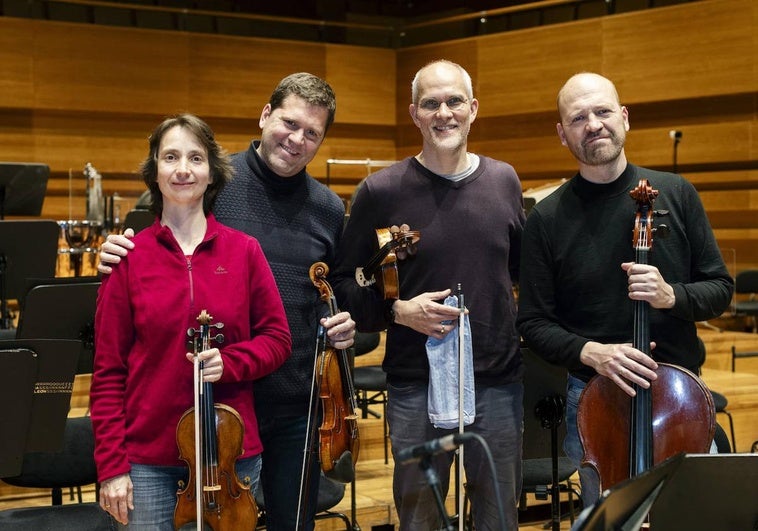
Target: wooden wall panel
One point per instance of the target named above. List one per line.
(16, 74)
(98, 68)
(234, 76)
(706, 143)
(365, 84)
(689, 50)
(522, 71)
(71, 94)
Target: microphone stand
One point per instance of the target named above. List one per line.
(425, 464)
(676, 136)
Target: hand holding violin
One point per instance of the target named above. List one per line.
(213, 364)
(116, 497)
(340, 329)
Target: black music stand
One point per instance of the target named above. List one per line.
(138, 219)
(625, 506)
(709, 492)
(61, 308)
(17, 388)
(22, 188)
(42, 402)
(27, 249)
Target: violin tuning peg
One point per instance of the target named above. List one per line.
(394, 229)
(218, 338)
(660, 213)
(401, 253)
(404, 227)
(191, 332)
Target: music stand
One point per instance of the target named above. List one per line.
(45, 405)
(138, 219)
(27, 249)
(61, 308)
(625, 506)
(709, 492)
(22, 188)
(20, 370)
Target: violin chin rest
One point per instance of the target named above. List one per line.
(344, 469)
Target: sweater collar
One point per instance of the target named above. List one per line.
(164, 235)
(283, 185)
(590, 190)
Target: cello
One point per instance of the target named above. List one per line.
(624, 436)
(209, 437)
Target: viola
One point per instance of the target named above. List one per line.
(210, 437)
(395, 243)
(338, 435)
(623, 436)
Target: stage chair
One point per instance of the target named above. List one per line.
(743, 354)
(746, 283)
(330, 493)
(72, 466)
(76, 517)
(546, 470)
(370, 383)
(719, 401)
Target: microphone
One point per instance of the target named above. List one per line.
(433, 447)
(675, 135)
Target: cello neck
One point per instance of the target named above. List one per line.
(641, 414)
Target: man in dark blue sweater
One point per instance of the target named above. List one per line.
(298, 221)
(578, 270)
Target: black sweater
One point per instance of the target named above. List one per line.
(573, 289)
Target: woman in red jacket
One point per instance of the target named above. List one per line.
(184, 263)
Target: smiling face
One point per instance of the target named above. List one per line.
(444, 107)
(183, 168)
(593, 123)
(291, 135)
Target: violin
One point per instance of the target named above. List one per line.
(210, 437)
(624, 436)
(395, 243)
(338, 434)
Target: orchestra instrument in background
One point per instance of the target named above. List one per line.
(80, 240)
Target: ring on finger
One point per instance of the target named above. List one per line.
(442, 330)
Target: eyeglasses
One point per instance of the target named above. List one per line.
(454, 104)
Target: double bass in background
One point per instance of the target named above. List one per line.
(624, 436)
(210, 437)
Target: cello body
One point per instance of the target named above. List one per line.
(683, 420)
(624, 436)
